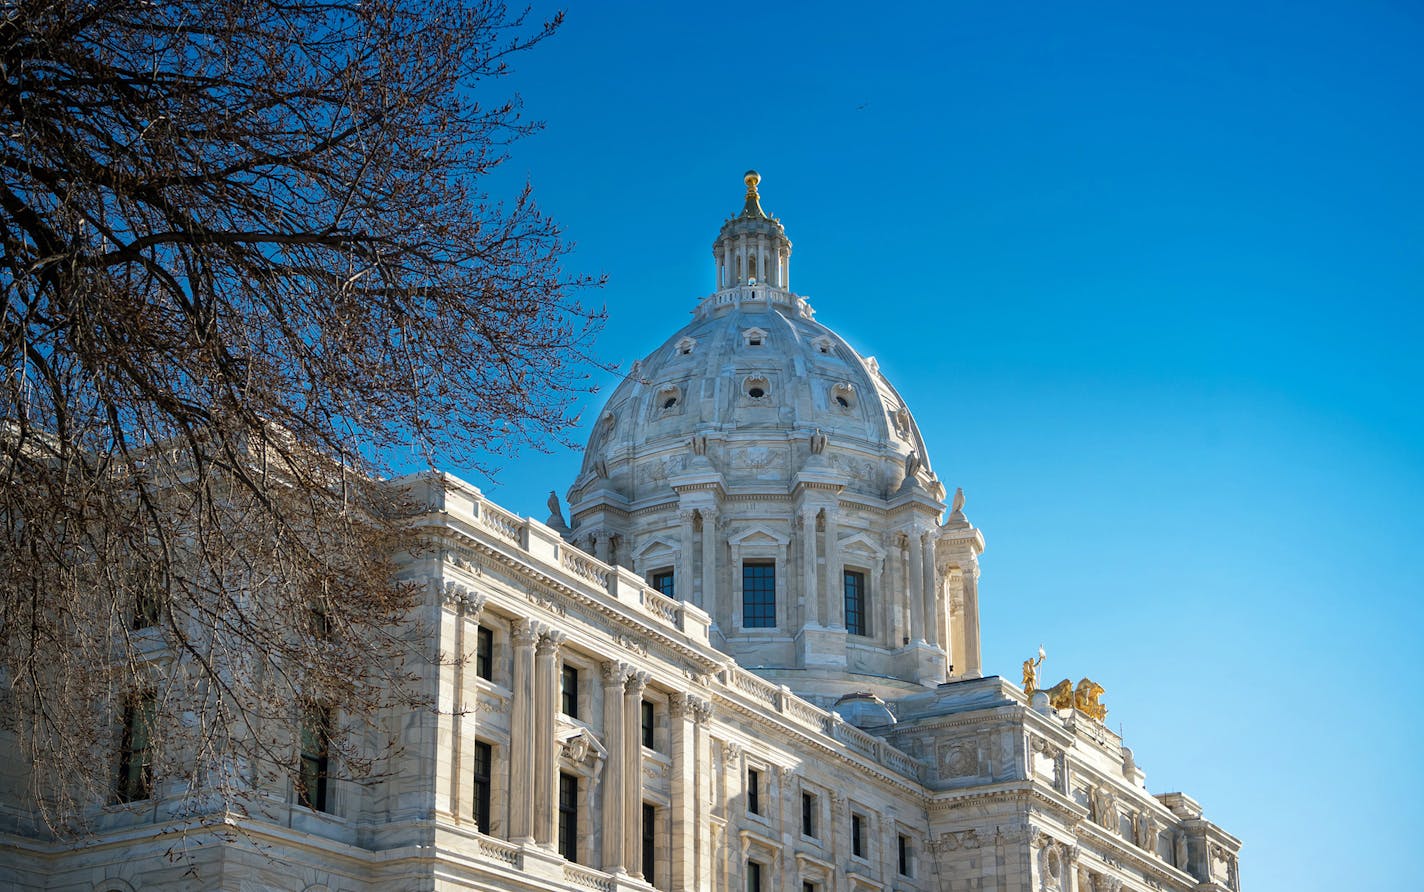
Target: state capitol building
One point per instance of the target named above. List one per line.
(747, 659)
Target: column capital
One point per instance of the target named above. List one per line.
(701, 710)
(637, 681)
(523, 632)
(550, 641)
(614, 673)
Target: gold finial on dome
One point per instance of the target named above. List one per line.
(753, 205)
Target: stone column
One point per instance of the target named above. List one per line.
(927, 569)
(898, 630)
(709, 563)
(973, 666)
(603, 546)
(682, 581)
(467, 609)
(835, 582)
(633, 773)
(682, 790)
(812, 614)
(702, 805)
(546, 767)
(521, 735)
(613, 675)
(915, 573)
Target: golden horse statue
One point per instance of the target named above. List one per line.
(1084, 698)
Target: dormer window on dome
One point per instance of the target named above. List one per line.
(685, 346)
(824, 345)
(758, 390)
(754, 337)
(843, 397)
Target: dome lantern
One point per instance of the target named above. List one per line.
(752, 248)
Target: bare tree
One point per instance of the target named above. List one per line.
(246, 261)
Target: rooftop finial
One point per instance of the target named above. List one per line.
(753, 205)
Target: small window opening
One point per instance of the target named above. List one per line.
(670, 402)
(753, 791)
(756, 393)
(842, 402)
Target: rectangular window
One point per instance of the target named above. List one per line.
(665, 581)
(650, 816)
(808, 815)
(312, 786)
(146, 610)
(649, 718)
(855, 602)
(753, 876)
(808, 887)
(569, 691)
(857, 836)
(484, 765)
(754, 791)
(758, 595)
(904, 842)
(484, 653)
(568, 816)
(135, 780)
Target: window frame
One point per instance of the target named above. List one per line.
(861, 598)
(568, 816)
(314, 763)
(753, 780)
(133, 780)
(765, 607)
(857, 836)
(484, 652)
(482, 785)
(569, 690)
(664, 576)
(810, 814)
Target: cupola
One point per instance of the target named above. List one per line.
(752, 248)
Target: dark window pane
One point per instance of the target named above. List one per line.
(808, 815)
(753, 877)
(754, 791)
(665, 582)
(484, 764)
(904, 855)
(568, 816)
(855, 602)
(650, 815)
(758, 595)
(570, 679)
(316, 758)
(135, 780)
(484, 654)
(857, 836)
(648, 724)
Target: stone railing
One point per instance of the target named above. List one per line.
(661, 606)
(812, 717)
(583, 566)
(587, 878)
(500, 522)
(499, 850)
(753, 686)
(544, 546)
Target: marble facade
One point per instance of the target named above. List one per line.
(748, 660)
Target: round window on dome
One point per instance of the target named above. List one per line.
(757, 389)
(668, 400)
(843, 397)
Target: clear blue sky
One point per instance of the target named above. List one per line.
(1150, 278)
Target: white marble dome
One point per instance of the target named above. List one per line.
(758, 467)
